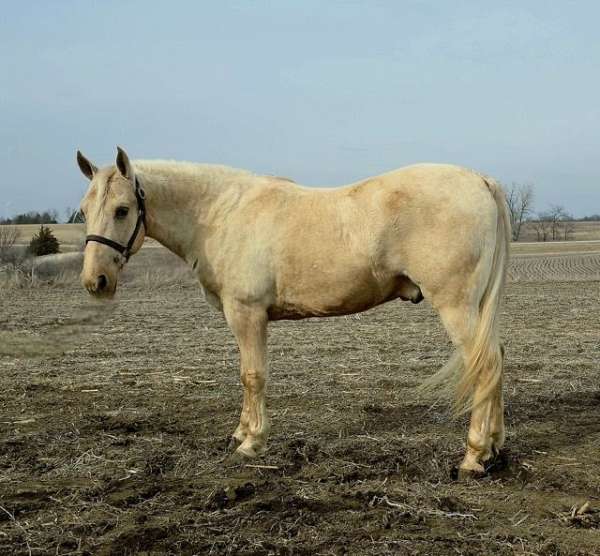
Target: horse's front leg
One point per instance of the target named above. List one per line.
(249, 325)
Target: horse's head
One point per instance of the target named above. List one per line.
(114, 213)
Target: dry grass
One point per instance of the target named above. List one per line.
(18, 279)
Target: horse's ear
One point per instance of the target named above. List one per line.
(86, 167)
(124, 165)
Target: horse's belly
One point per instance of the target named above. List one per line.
(347, 295)
(301, 309)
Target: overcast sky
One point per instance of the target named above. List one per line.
(323, 92)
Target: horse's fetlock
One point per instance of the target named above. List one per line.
(478, 442)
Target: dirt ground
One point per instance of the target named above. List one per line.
(115, 418)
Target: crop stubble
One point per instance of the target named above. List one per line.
(113, 429)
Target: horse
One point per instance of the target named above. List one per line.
(265, 248)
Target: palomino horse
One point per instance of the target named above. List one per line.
(264, 248)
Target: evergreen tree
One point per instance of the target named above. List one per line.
(44, 242)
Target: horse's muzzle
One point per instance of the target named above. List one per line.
(100, 286)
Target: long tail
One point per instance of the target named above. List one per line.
(483, 366)
(475, 374)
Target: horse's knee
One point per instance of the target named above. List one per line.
(253, 380)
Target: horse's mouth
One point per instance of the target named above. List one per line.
(101, 287)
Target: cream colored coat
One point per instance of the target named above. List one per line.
(264, 248)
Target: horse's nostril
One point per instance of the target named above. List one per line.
(101, 283)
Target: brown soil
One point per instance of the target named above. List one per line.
(115, 419)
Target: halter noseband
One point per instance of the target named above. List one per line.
(125, 250)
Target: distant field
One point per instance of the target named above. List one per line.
(72, 234)
(555, 247)
(570, 261)
(69, 234)
(530, 261)
(583, 231)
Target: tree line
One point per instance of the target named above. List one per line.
(72, 216)
(553, 224)
(33, 217)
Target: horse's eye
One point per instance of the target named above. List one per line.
(121, 213)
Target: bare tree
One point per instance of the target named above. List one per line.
(541, 225)
(9, 235)
(519, 198)
(565, 224)
(553, 224)
(569, 229)
(557, 215)
(73, 216)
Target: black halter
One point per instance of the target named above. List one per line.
(125, 250)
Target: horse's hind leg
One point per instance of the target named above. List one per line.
(249, 325)
(486, 430)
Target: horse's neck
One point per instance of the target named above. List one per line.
(181, 200)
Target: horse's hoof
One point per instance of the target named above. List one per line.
(235, 459)
(495, 458)
(470, 473)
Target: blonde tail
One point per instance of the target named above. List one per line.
(483, 366)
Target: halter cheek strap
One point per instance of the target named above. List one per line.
(125, 250)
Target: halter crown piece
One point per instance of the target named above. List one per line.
(125, 250)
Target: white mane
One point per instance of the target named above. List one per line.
(207, 174)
